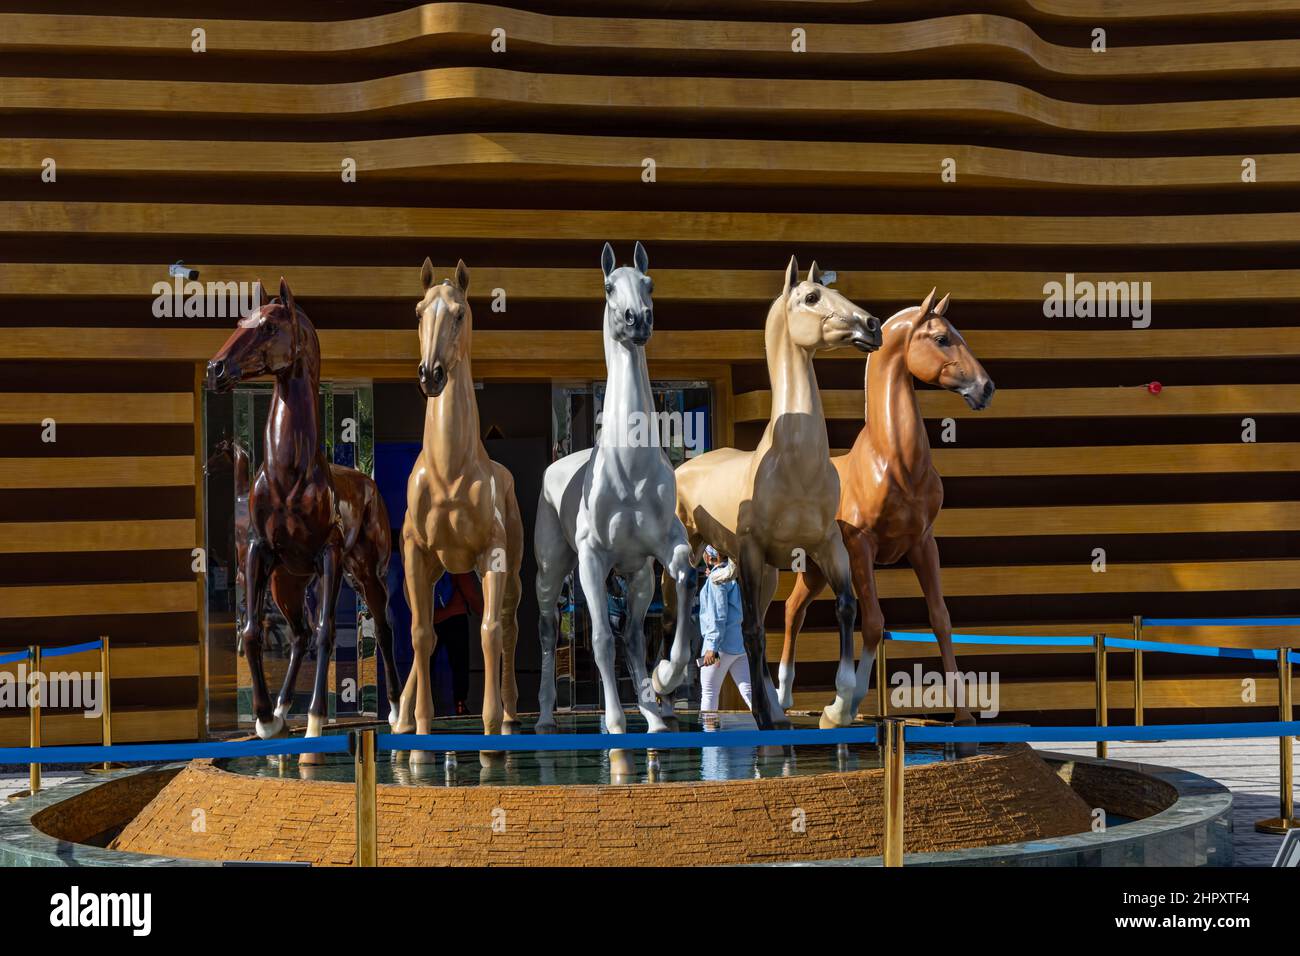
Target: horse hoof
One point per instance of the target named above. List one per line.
(785, 697)
(622, 768)
(830, 719)
(511, 726)
(546, 727)
(487, 759)
(672, 724)
(311, 760)
(663, 680)
(423, 756)
(395, 719)
(276, 727)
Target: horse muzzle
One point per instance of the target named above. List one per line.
(866, 335)
(222, 375)
(978, 396)
(432, 382)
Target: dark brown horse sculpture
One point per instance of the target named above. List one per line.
(890, 493)
(308, 518)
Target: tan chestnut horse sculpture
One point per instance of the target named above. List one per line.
(770, 507)
(890, 493)
(461, 513)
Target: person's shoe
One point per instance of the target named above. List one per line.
(462, 709)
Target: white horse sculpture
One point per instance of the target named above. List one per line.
(613, 507)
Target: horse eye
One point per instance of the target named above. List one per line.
(812, 297)
(943, 341)
(609, 289)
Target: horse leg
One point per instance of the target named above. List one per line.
(289, 593)
(421, 569)
(510, 615)
(555, 559)
(833, 559)
(330, 573)
(753, 572)
(374, 589)
(593, 569)
(640, 592)
(490, 633)
(680, 568)
(924, 558)
(807, 585)
(862, 564)
(257, 571)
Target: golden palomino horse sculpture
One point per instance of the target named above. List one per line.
(771, 507)
(461, 514)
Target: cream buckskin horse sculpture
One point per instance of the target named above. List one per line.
(461, 514)
(770, 507)
(613, 507)
(890, 492)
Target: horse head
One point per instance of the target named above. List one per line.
(938, 355)
(629, 312)
(265, 342)
(445, 323)
(818, 317)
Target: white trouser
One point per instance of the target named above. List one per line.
(711, 678)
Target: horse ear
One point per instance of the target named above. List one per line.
(815, 274)
(929, 300)
(259, 295)
(462, 275)
(426, 274)
(791, 275)
(640, 258)
(607, 261)
(942, 307)
(286, 298)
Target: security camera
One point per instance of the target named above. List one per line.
(182, 271)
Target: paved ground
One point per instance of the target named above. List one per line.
(1249, 768)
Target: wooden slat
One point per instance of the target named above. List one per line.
(1064, 402)
(442, 26)
(47, 537)
(434, 92)
(1117, 460)
(129, 726)
(532, 346)
(96, 408)
(401, 283)
(546, 156)
(1215, 518)
(1119, 578)
(159, 471)
(131, 662)
(73, 600)
(1054, 695)
(730, 227)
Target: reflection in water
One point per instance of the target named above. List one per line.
(593, 766)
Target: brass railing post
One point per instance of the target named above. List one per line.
(1099, 678)
(882, 676)
(1139, 703)
(363, 746)
(894, 759)
(34, 715)
(106, 708)
(1286, 821)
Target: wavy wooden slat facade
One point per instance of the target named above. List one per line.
(983, 146)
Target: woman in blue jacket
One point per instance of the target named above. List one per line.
(724, 648)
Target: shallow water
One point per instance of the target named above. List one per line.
(592, 766)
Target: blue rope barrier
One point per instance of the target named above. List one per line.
(1011, 640)
(165, 753)
(74, 649)
(1221, 622)
(1245, 653)
(14, 658)
(1092, 734)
